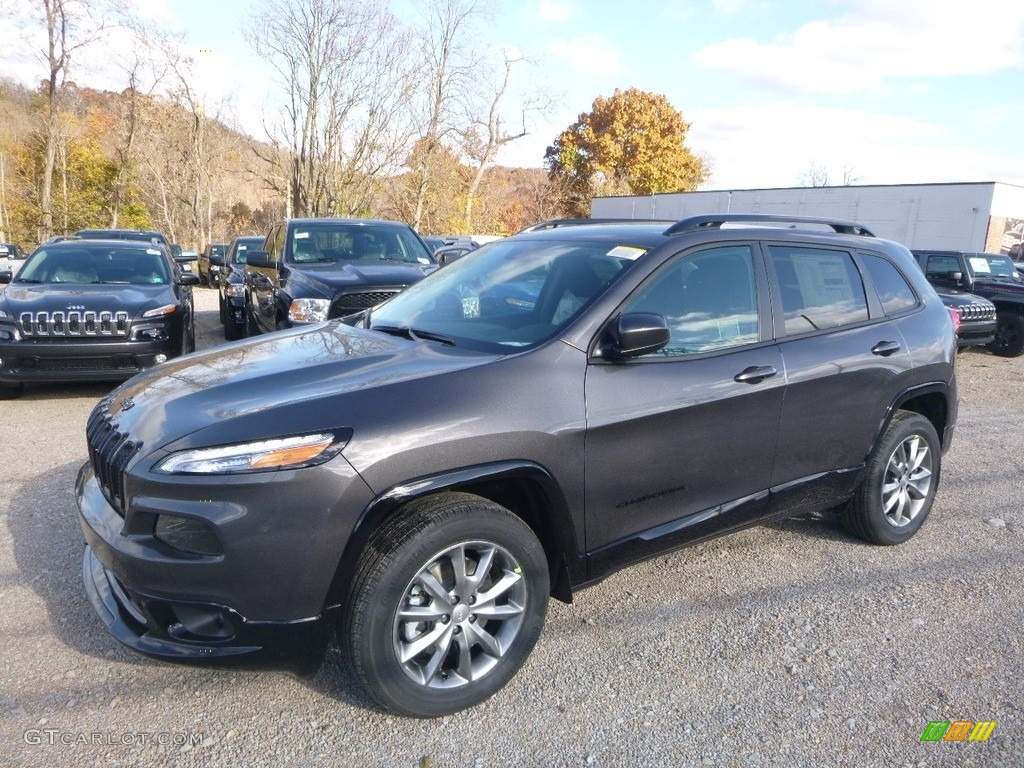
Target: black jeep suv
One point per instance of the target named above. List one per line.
(232, 285)
(990, 275)
(316, 269)
(92, 310)
(519, 424)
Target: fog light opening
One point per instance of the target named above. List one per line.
(200, 622)
(187, 534)
(161, 358)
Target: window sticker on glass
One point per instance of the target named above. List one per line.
(301, 235)
(627, 252)
(153, 251)
(980, 265)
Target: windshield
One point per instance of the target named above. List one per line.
(362, 244)
(507, 295)
(991, 265)
(89, 264)
(238, 253)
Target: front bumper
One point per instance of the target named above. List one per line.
(260, 602)
(82, 359)
(976, 333)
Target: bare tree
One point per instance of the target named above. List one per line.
(347, 82)
(71, 25)
(449, 58)
(850, 176)
(815, 176)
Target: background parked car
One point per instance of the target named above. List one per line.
(991, 275)
(316, 269)
(232, 285)
(209, 263)
(93, 310)
(11, 251)
(975, 318)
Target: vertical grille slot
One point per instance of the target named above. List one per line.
(109, 453)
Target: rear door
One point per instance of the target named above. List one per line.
(843, 358)
(680, 442)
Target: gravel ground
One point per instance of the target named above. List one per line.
(788, 645)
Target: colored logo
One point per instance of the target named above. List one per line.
(958, 730)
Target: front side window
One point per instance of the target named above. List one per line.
(819, 288)
(708, 299)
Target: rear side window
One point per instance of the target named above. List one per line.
(942, 267)
(819, 289)
(892, 287)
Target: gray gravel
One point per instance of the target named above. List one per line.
(789, 645)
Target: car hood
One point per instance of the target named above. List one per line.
(85, 298)
(301, 375)
(328, 279)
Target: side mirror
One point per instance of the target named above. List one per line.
(635, 334)
(260, 259)
(957, 276)
(217, 259)
(188, 279)
(6, 276)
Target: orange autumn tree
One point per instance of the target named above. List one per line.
(633, 143)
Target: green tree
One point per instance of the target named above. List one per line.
(633, 143)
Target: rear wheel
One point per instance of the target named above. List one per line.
(899, 483)
(251, 329)
(232, 330)
(448, 600)
(1009, 341)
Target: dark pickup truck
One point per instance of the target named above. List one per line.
(990, 275)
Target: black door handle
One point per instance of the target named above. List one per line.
(885, 348)
(755, 374)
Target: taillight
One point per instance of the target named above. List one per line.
(956, 319)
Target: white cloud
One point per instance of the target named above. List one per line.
(594, 55)
(760, 146)
(552, 10)
(877, 41)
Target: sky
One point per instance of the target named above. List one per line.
(868, 91)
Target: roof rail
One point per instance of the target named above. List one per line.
(716, 220)
(559, 223)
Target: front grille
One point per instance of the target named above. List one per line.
(76, 364)
(357, 301)
(73, 324)
(976, 312)
(109, 452)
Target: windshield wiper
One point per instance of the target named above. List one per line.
(414, 334)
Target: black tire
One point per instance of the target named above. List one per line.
(233, 331)
(899, 484)
(11, 391)
(190, 340)
(251, 328)
(426, 539)
(223, 310)
(1009, 341)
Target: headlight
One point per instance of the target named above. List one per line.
(237, 290)
(308, 310)
(166, 309)
(283, 453)
(3, 315)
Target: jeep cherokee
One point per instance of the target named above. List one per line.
(523, 422)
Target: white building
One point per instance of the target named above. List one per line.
(958, 216)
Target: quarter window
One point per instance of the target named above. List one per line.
(709, 300)
(819, 288)
(891, 286)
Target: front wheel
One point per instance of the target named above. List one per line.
(11, 391)
(448, 600)
(900, 482)
(1009, 341)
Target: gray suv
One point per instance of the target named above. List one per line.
(554, 406)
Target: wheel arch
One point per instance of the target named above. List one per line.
(929, 400)
(524, 488)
